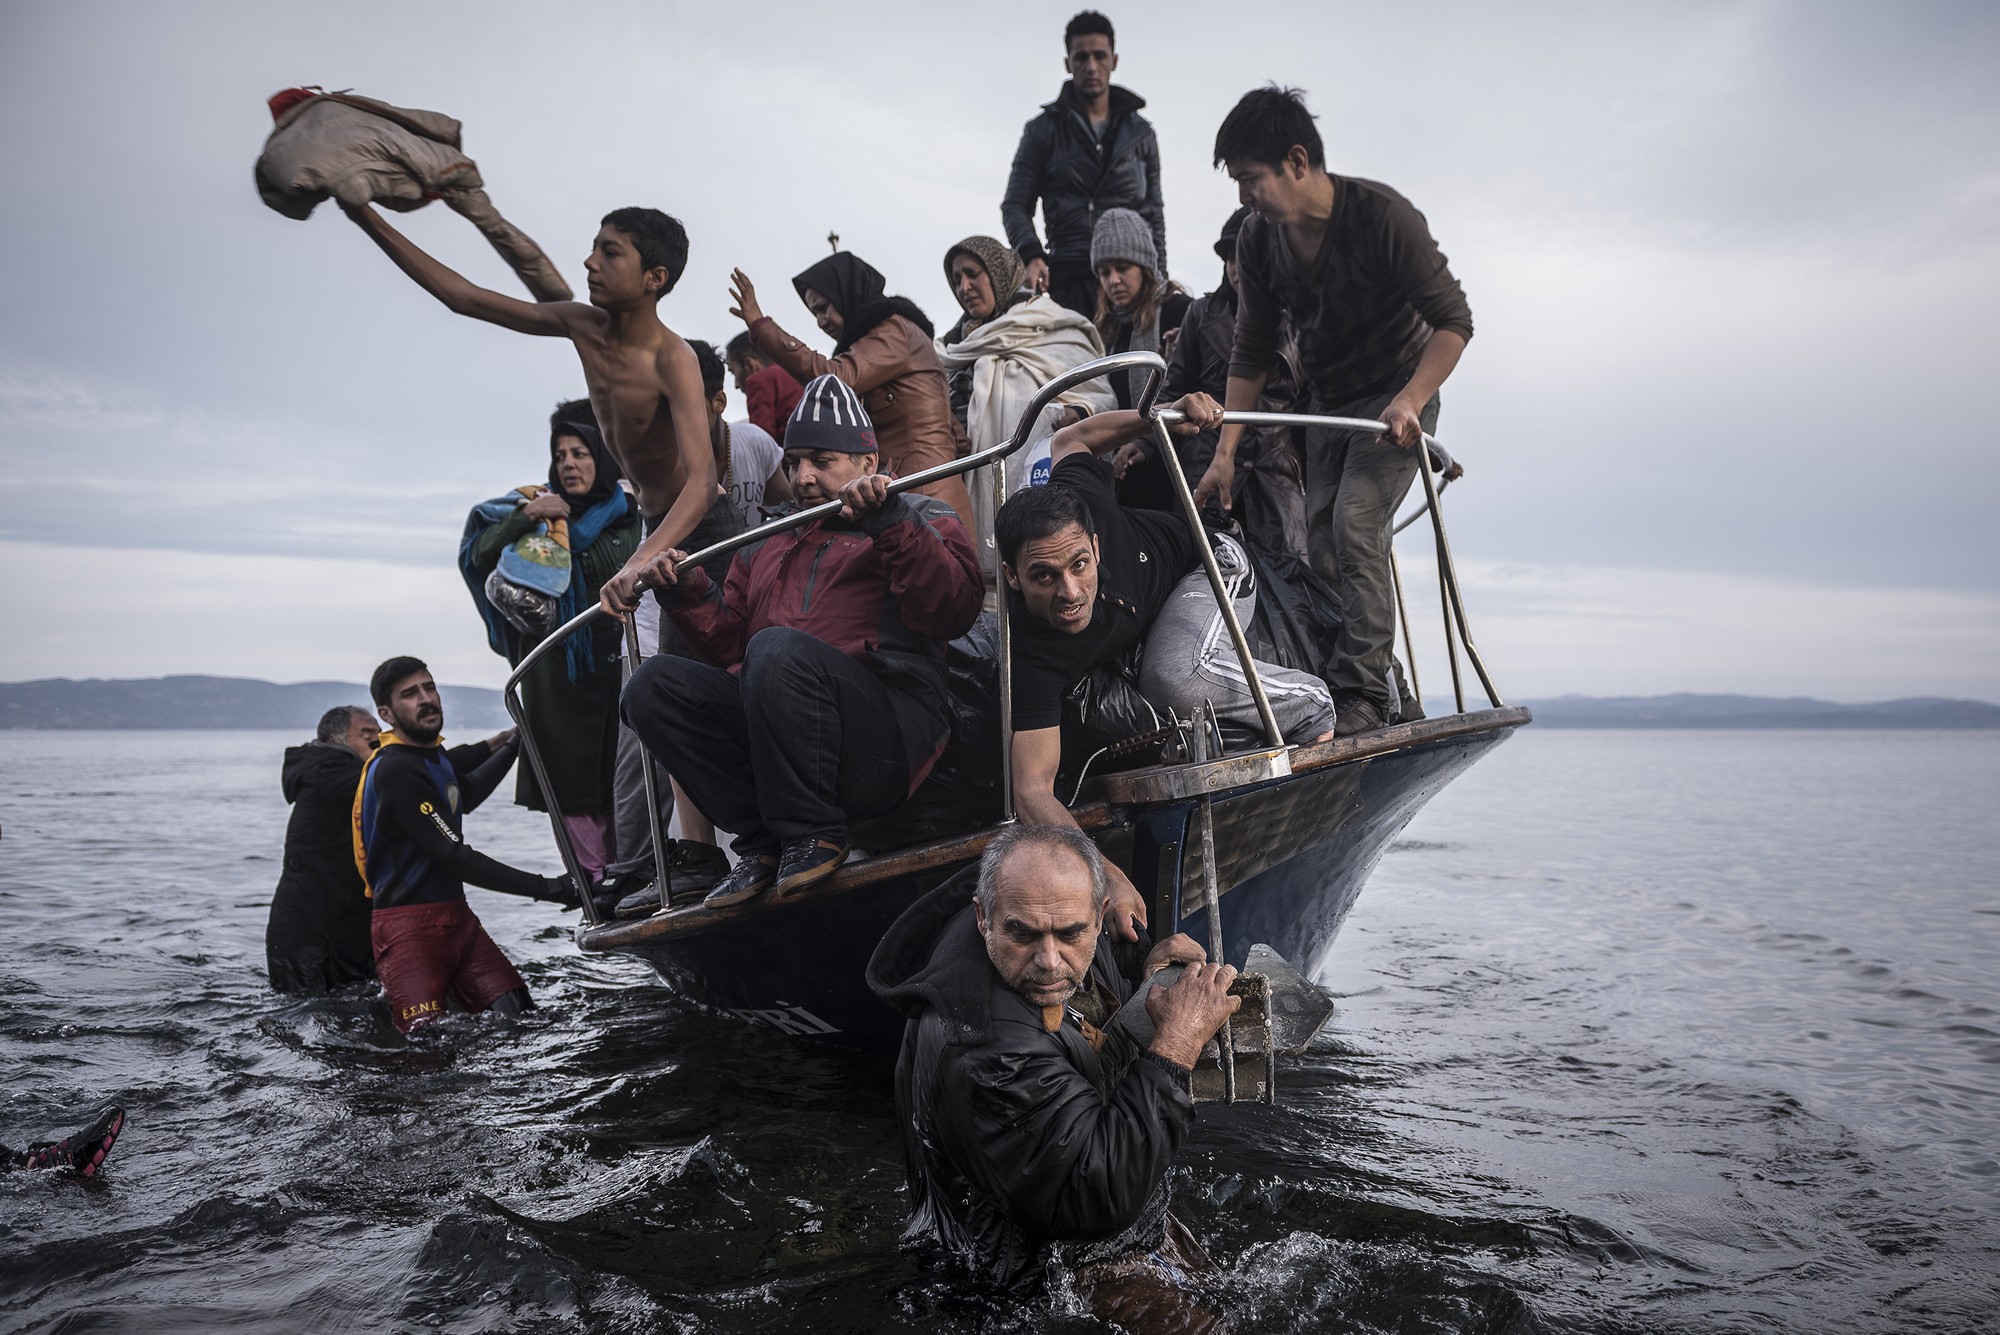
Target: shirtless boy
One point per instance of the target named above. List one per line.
(643, 380)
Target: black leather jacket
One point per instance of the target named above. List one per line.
(1017, 1139)
(1076, 178)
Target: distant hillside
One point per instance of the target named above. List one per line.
(212, 703)
(1752, 711)
(240, 702)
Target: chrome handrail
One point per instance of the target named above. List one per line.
(510, 693)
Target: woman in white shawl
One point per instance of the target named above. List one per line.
(1009, 343)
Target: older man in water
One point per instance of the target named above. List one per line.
(1034, 1126)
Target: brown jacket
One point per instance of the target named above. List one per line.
(896, 370)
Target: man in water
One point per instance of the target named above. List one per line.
(1091, 583)
(317, 939)
(1381, 322)
(822, 697)
(409, 843)
(1088, 151)
(642, 377)
(1034, 1125)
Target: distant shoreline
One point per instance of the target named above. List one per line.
(203, 703)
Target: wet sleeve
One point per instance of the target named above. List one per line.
(497, 538)
(933, 571)
(1029, 1130)
(480, 770)
(1024, 189)
(407, 799)
(714, 622)
(1257, 307)
(1422, 271)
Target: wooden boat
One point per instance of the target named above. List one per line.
(1295, 830)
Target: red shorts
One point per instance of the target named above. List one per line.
(426, 952)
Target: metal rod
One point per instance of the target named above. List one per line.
(1444, 599)
(1449, 571)
(1403, 615)
(515, 710)
(1225, 1042)
(652, 780)
(1170, 459)
(1006, 639)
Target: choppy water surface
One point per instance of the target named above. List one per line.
(1639, 1032)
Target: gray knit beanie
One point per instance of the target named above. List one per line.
(1121, 234)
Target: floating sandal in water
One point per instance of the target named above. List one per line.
(84, 1152)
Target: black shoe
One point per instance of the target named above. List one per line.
(809, 859)
(696, 868)
(641, 903)
(82, 1153)
(751, 877)
(1357, 715)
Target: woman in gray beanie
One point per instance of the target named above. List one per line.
(1136, 310)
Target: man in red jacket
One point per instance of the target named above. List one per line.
(823, 696)
(769, 392)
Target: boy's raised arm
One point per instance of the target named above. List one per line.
(460, 294)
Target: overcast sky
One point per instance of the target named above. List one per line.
(1726, 417)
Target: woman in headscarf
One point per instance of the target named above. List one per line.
(571, 693)
(1136, 310)
(882, 348)
(1009, 342)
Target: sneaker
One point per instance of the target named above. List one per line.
(82, 1153)
(696, 868)
(808, 860)
(641, 903)
(751, 877)
(1357, 715)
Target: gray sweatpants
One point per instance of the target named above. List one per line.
(1354, 482)
(1189, 657)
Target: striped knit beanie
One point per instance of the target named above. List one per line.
(830, 417)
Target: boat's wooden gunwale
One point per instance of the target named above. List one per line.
(1105, 805)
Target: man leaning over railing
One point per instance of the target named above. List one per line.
(1092, 584)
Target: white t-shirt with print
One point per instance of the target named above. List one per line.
(753, 458)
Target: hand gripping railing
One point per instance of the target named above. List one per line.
(511, 693)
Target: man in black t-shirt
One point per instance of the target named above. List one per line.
(1090, 581)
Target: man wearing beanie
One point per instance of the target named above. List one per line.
(821, 693)
(1381, 322)
(1088, 151)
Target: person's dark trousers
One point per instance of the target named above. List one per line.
(1354, 482)
(804, 740)
(1073, 284)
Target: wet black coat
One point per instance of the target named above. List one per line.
(1009, 1145)
(317, 939)
(1076, 178)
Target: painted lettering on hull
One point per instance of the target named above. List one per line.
(794, 1020)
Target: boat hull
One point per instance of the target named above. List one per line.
(1292, 855)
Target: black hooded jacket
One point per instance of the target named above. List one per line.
(317, 939)
(1010, 1146)
(1077, 177)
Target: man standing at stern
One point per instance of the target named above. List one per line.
(1035, 1127)
(1088, 151)
(1381, 322)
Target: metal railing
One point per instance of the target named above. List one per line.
(1103, 366)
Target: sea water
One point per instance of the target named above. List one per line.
(1671, 1031)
